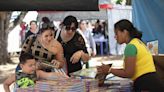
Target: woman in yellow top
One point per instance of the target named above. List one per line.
(138, 61)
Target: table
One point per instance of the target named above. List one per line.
(97, 40)
(159, 64)
(111, 84)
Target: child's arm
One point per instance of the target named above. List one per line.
(8, 82)
(47, 75)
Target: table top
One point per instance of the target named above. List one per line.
(112, 82)
(158, 58)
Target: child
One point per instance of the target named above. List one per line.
(28, 75)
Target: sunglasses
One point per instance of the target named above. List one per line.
(47, 25)
(70, 28)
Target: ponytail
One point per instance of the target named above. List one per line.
(125, 24)
(134, 33)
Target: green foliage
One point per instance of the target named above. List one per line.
(119, 1)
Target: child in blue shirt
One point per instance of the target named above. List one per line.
(28, 75)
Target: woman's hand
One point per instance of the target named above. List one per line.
(93, 54)
(104, 69)
(56, 63)
(76, 56)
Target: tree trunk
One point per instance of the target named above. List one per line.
(4, 57)
(128, 2)
(5, 27)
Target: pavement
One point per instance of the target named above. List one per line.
(7, 70)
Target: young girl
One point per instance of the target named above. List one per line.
(28, 75)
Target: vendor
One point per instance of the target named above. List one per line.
(138, 61)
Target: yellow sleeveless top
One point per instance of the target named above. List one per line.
(144, 62)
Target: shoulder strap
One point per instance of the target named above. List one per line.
(57, 34)
(33, 40)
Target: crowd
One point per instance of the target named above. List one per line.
(46, 50)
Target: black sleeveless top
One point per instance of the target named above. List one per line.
(75, 44)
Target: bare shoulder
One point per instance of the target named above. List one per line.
(57, 44)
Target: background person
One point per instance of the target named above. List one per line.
(33, 29)
(88, 38)
(22, 32)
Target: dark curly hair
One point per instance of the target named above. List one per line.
(69, 20)
(24, 57)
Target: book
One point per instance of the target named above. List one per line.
(153, 46)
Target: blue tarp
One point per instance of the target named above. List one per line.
(148, 17)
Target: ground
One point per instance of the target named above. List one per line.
(8, 69)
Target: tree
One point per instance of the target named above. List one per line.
(119, 1)
(128, 2)
(5, 28)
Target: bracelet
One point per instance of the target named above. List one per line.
(109, 71)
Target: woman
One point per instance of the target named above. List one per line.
(89, 40)
(73, 44)
(33, 29)
(138, 61)
(44, 47)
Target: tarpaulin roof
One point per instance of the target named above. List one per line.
(82, 15)
(57, 5)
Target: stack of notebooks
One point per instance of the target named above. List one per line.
(26, 90)
(70, 85)
(91, 85)
(85, 73)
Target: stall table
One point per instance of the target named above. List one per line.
(159, 64)
(111, 84)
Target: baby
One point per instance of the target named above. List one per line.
(27, 76)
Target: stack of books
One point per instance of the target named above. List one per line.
(91, 85)
(60, 85)
(70, 85)
(26, 90)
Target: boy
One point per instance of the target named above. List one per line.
(28, 75)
